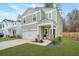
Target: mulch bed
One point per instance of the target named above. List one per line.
(54, 45)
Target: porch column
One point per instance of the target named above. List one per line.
(11, 32)
(39, 31)
(51, 29)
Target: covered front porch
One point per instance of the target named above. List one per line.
(46, 31)
(11, 32)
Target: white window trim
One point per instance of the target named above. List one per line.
(32, 17)
(51, 15)
(50, 11)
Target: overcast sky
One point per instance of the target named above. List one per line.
(10, 11)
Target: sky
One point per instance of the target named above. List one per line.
(11, 11)
(68, 7)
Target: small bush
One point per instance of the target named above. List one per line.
(36, 40)
(53, 40)
(18, 36)
(41, 41)
(44, 35)
(12, 36)
(58, 39)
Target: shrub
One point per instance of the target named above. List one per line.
(12, 36)
(36, 40)
(44, 35)
(53, 40)
(41, 41)
(18, 36)
(58, 39)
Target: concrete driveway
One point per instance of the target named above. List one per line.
(11, 43)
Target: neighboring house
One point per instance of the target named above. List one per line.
(0, 28)
(9, 27)
(45, 22)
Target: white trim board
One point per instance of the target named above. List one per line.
(44, 24)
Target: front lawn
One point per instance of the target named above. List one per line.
(68, 47)
(7, 39)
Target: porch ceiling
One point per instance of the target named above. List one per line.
(46, 26)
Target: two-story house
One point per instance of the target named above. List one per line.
(45, 22)
(9, 27)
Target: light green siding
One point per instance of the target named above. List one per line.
(59, 25)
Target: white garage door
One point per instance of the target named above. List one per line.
(31, 35)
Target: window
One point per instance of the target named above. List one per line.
(0, 26)
(3, 25)
(34, 17)
(24, 21)
(49, 15)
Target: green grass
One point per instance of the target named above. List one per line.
(67, 48)
(7, 39)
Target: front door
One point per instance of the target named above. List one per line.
(46, 33)
(14, 31)
(54, 33)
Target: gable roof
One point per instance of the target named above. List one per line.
(31, 10)
(7, 20)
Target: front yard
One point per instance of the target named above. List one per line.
(68, 47)
(8, 38)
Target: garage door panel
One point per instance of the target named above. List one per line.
(29, 35)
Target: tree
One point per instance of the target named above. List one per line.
(73, 20)
(53, 5)
(64, 25)
(49, 5)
